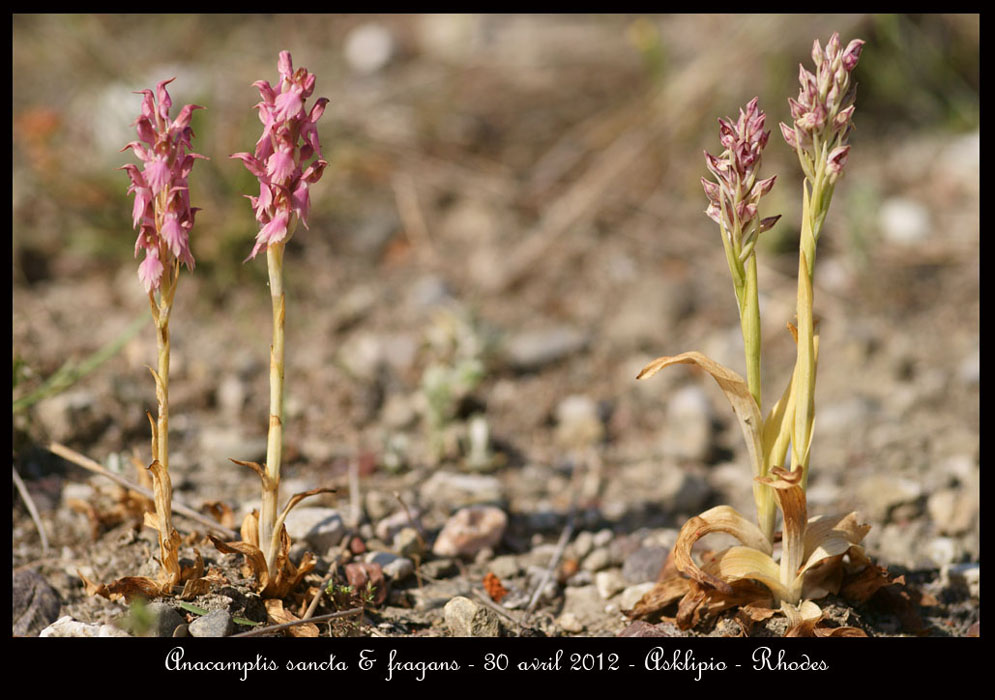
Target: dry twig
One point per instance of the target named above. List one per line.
(259, 631)
(30, 504)
(179, 508)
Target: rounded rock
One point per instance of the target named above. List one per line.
(465, 618)
(470, 530)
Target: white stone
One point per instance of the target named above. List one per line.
(609, 582)
(67, 627)
(322, 528)
(633, 594)
(904, 221)
(368, 47)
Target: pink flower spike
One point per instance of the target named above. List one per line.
(161, 210)
(281, 157)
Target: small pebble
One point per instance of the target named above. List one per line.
(583, 544)
(597, 560)
(609, 582)
(644, 564)
(505, 567)
(578, 422)
(602, 538)
(965, 577)
(533, 349)
(217, 623)
(67, 627)
(465, 618)
(687, 432)
(409, 543)
(570, 623)
(165, 619)
(394, 567)
(322, 528)
(470, 530)
(633, 594)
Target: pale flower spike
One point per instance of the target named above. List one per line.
(162, 212)
(822, 114)
(289, 140)
(733, 198)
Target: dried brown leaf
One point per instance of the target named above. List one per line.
(717, 519)
(801, 619)
(662, 595)
(221, 512)
(278, 615)
(702, 603)
(839, 632)
(861, 587)
(254, 559)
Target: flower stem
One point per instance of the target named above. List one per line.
(805, 364)
(274, 443)
(160, 429)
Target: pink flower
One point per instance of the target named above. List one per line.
(162, 212)
(734, 195)
(289, 140)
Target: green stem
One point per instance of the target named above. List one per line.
(750, 323)
(805, 364)
(274, 444)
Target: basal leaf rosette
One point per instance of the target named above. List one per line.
(815, 552)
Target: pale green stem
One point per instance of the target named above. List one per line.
(744, 279)
(160, 437)
(274, 444)
(805, 364)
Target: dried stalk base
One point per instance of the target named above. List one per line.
(170, 574)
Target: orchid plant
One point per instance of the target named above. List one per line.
(164, 218)
(812, 549)
(282, 162)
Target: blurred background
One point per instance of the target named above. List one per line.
(511, 225)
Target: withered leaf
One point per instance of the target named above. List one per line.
(278, 615)
(662, 595)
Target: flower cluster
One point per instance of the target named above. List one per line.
(734, 197)
(162, 212)
(823, 112)
(290, 139)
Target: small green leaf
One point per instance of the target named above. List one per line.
(190, 607)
